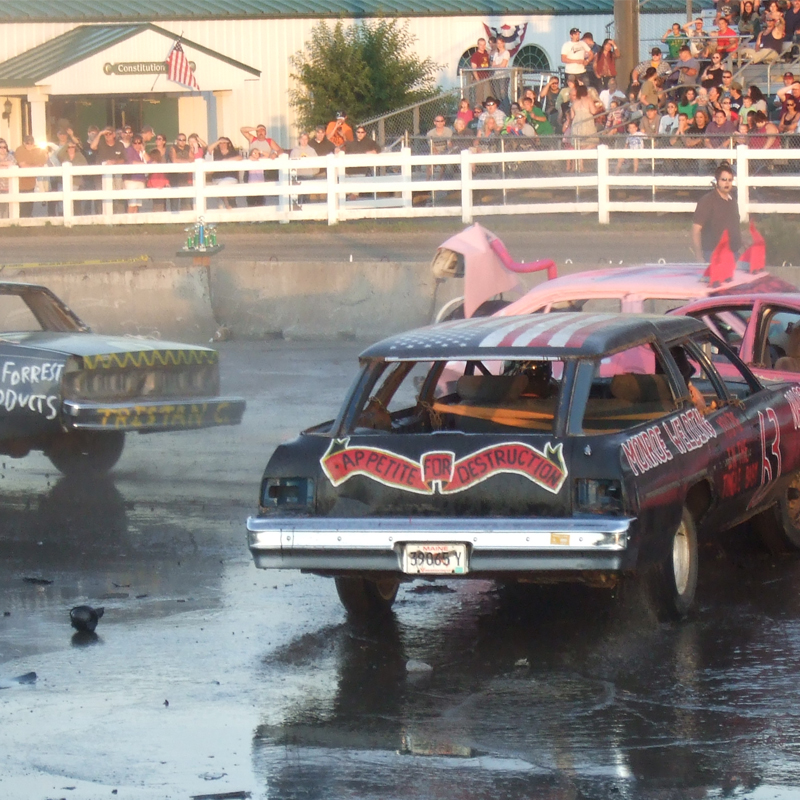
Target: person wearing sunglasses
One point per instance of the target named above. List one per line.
(223, 150)
(181, 153)
(790, 116)
(712, 74)
(6, 160)
(769, 43)
(363, 143)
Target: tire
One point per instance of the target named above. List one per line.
(779, 526)
(79, 452)
(672, 584)
(364, 598)
(455, 309)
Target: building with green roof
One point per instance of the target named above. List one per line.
(79, 63)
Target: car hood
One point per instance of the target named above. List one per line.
(93, 344)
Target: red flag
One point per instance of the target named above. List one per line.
(723, 262)
(756, 254)
(178, 68)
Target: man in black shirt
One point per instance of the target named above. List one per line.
(320, 143)
(108, 149)
(717, 212)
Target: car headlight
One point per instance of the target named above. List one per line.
(287, 493)
(598, 496)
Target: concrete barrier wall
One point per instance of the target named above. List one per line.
(306, 300)
(164, 301)
(300, 300)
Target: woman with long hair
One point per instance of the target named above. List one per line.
(688, 103)
(749, 22)
(695, 133)
(757, 96)
(605, 65)
(223, 150)
(790, 118)
(464, 111)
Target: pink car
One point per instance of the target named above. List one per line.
(763, 328)
(488, 270)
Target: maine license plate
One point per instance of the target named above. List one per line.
(435, 559)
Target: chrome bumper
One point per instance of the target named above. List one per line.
(494, 545)
(157, 415)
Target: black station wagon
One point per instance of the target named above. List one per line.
(560, 447)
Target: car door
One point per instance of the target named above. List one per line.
(776, 341)
(748, 420)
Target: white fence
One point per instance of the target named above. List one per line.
(402, 185)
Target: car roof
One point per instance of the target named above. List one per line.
(14, 287)
(555, 336)
(667, 281)
(784, 299)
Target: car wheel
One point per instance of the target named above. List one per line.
(86, 451)
(779, 526)
(672, 583)
(364, 598)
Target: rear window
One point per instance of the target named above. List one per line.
(471, 397)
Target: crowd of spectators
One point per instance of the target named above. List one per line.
(112, 146)
(682, 96)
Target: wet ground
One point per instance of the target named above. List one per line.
(209, 677)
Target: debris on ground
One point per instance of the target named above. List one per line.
(85, 618)
(414, 666)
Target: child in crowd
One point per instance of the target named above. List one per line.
(633, 141)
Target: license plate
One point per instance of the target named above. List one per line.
(435, 559)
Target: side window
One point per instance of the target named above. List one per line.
(660, 305)
(15, 315)
(629, 388)
(707, 391)
(729, 324)
(597, 305)
(782, 341)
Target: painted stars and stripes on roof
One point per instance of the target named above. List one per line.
(558, 335)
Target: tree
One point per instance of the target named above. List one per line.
(366, 69)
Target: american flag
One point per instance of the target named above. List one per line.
(178, 68)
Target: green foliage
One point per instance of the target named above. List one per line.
(366, 69)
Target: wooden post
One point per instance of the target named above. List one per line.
(626, 21)
(66, 194)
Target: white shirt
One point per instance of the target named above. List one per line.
(606, 97)
(500, 60)
(577, 49)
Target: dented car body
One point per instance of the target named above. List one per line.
(562, 447)
(74, 394)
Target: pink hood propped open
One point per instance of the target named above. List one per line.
(484, 274)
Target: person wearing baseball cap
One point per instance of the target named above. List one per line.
(338, 131)
(576, 54)
(657, 61)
